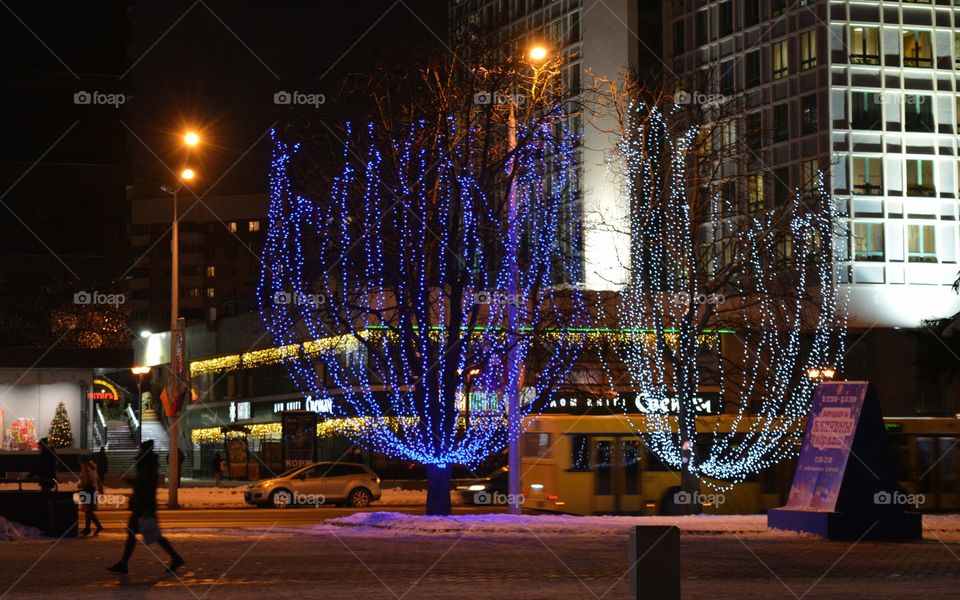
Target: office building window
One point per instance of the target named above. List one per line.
(918, 113)
(866, 110)
(864, 45)
(211, 271)
(751, 69)
(728, 133)
(956, 50)
(808, 49)
(868, 242)
(753, 130)
(921, 243)
(808, 114)
(867, 176)
(233, 226)
(254, 225)
(703, 27)
(778, 7)
(755, 200)
(781, 122)
(678, 37)
(917, 49)
(809, 171)
(751, 12)
(211, 292)
(781, 185)
(779, 59)
(725, 14)
(726, 78)
(920, 178)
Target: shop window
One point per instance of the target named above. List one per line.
(868, 242)
(867, 176)
(866, 110)
(864, 45)
(779, 59)
(917, 49)
(921, 243)
(920, 180)
(808, 49)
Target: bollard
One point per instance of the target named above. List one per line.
(655, 562)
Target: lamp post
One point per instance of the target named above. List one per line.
(537, 55)
(190, 140)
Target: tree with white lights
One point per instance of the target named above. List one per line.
(733, 288)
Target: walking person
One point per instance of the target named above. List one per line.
(217, 469)
(101, 461)
(89, 486)
(143, 516)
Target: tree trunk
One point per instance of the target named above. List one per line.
(438, 490)
(689, 485)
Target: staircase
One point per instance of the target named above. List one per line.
(122, 447)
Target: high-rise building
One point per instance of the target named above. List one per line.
(865, 91)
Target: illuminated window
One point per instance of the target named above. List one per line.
(254, 225)
(211, 292)
(868, 242)
(917, 49)
(867, 176)
(866, 110)
(920, 180)
(808, 49)
(233, 226)
(956, 50)
(755, 200)
(779, 59)
(211, 271)
(865, 45)
(921, 243)
(784, 249)
(809, 170)
(918, 113)
(728, 133)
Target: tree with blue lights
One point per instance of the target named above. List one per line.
(733, 290)
(432, 279)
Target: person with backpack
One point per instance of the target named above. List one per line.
(143, 516)
(88, 487)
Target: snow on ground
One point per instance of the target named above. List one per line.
(11, 532)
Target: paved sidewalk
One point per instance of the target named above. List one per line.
(347, 562)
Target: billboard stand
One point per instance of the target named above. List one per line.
(844, 487)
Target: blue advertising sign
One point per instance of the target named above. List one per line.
(827, 443)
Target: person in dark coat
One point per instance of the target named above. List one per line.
(144, 504)
(101, 461)
(88, 487)
(47, 470)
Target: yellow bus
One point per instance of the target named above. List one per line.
(599, 464)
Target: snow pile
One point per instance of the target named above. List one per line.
(10, 531)
(506, 524)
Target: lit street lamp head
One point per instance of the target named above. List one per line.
(191, 138)
(537, 54)
(187, 174)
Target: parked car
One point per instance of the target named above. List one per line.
(482, 489)
(317, 484)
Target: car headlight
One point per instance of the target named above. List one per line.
(477, 487)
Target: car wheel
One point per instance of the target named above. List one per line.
(359, 498)
(281, 499)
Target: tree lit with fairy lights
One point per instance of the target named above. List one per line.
(392, 289)
(729, 292)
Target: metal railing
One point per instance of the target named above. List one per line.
(99, 428)
(133, 422)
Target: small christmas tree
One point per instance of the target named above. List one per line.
(60, 435)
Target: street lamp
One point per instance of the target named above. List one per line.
(140, 372)
(537, 55)
(190, 141)
(821, 374)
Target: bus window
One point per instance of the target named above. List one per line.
(580, 453)
(925, 463)
(603, 467)
(536, 444)
(948, 480)
(630, 451)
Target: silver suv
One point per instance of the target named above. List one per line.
(317, 484)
